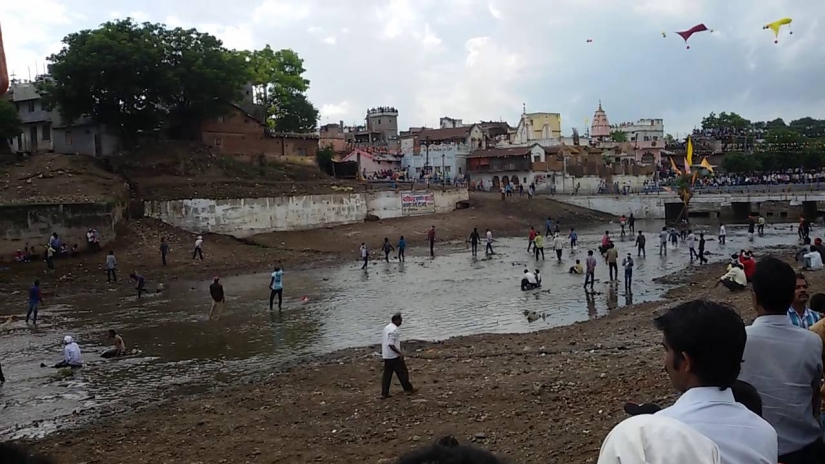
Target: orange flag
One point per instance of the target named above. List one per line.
(673, 165)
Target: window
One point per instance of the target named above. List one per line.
(438, 169)
(33, 137)
(536, 158)
(302, 151)
(447, 169)
(379, 122)
(218, 142)
(221, 119)
(47, 132)
(68, 137)
(459, 170)
(31, 106)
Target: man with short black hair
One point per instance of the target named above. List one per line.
(393, 358)
(799, 313)
(704, 342)
(784, 364)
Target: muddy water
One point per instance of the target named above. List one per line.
(177, 349)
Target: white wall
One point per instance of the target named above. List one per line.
(590, 184)
(243, 217)
(641, 206)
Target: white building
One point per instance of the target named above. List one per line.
(441, 151)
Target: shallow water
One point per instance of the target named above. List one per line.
(179, 350)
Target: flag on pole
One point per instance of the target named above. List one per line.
(706, 164)
(689, 157)
(687, 166)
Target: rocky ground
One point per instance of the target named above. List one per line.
(137, 245)
(546, 397)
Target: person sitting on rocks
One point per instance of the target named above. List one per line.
(735, 279)
(529, 282)
(448, 451)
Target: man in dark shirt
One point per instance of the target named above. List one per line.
(702, 259)
(474, 239)
(140, 283)
(218, 299)
(164, 250)
(431, 239)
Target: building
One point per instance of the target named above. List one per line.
(600, 127)
(332, 135)
(541, 128)
(380, 130)
(372, 163)
(450, 123)
(441, 151)
(84, 137)
(239, 134)
(647, 137)
(37, 120)
(512, 165)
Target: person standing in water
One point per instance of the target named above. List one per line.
(631, 221)
(431, 240)
(538, 245)
(365, 255)
(751, 227)
(489, 249)
(276, 286)
(119, 348)
(574, 239)
(218, 298)
(558, 245)
(691, 243)
(402, 245)
(612, 257)
(627, 264)
(35, 300)
(198, 248)
(474, 239)
(164, 250)
(111, 266)
(548, 224)
(702, 259)
(531, 238)
(590, 272)
(663, 242)
(387, 248)
(722, 234)
(140, 283)
(760, 225)
(640, 244)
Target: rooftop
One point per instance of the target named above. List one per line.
(501, 152)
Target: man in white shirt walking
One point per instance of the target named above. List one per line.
(704, 342)
(393, 358)
(198, 252)
(691, 243)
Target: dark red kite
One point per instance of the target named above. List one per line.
(693, 30)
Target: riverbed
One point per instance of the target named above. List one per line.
(177, 350)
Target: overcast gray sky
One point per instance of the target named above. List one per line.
(482, 59)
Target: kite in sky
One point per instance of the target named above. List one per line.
(693, 30)
(776, 25)
(589, 40)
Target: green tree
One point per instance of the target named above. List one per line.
(809, 127)
(10, 124)
(784, 136)
(669, 139)
(136, 77)
(324, 158)
(740, 162)
(618, 136)
(776, 124)
(280, 86)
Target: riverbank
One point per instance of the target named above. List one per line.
(549, 396)
(138, 242)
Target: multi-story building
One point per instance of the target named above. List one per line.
(441, 151)
(541, 128)
(647, 137)
(37, 120)
(380, 130)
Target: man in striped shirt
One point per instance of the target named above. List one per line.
(799, 312)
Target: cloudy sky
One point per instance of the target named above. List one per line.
(483, 59)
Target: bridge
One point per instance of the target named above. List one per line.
(725, 205)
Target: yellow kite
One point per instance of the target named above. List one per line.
(689, 157)
(776, 25)
(705, 164)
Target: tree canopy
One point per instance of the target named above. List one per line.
(141, 78)
(618, 136)
(10, 124)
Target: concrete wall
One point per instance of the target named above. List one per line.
(80, 140)
(33, 224)
(244, 217)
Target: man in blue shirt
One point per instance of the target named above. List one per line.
(35, 300)
(276, 285)
(799, 313)
(548, 224)
(402, 245)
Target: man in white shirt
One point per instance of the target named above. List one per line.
(704, 342)
(784, 363)
(735, 278)
(365, 255)
(691, 243)
(393, 358)
(198, 248)
(723, 234)
(813, 261)
(489, 249)
(654, 439)
(71, 354)
(529, 281)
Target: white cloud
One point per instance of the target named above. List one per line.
(335, 110)
(330, 40)
(494, 11)
(430, 40)
(274, 12)
(314, 30)
(233, 37)
(398, 16)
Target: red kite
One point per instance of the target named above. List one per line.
(693, 30)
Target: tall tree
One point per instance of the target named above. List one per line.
(618, 136)
(10, 124)
(280, 86)
(132, 76)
